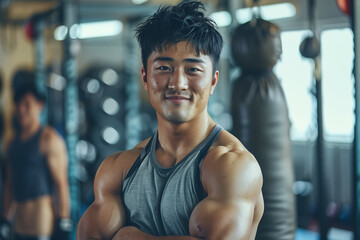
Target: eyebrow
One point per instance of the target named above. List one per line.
(169, 59)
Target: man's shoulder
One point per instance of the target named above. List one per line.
(227, 144)
(229, 153)
(122, 161)
(50, 134)
(130, 154)
(229, 165)
(51, 140)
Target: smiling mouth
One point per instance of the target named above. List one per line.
(177, 99)
(177, 96)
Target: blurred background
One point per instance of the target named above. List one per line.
(86, 59)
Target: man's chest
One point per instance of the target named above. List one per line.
(159, 201)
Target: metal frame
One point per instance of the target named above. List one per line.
(355, 19)
(71, 110)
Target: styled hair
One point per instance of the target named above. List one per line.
(182, 22)
(28, 87)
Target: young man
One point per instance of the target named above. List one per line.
(192, 179)
(36, 170)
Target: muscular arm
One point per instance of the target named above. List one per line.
(132, 233)
(106, 215)
(53, 146)
(233, 207)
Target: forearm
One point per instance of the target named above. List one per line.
(64, 200)
(132, 233)
(156, 238)
(176, 238)
(8, 204)
(8, 209)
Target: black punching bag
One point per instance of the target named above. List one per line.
(261, 122)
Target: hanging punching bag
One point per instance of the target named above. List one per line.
(261, 122)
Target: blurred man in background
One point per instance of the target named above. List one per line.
(36, 195)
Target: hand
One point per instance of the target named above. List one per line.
(5, 229)
(63, 228)
(131, 233)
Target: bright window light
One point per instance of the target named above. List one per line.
(222, 18)
(268, 12)
(338, 84)
(296, 76)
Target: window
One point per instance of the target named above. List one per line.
(296, 76)
(337, 57)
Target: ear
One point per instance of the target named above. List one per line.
(214, 82)
(144, 79)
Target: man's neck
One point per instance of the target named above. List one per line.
(28, 131)
(176, 140)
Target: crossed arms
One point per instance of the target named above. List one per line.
(232, 209)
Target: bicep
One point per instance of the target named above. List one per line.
(222, 219)
(233, 182)
(56, 157)
(102, 220)
(107, 214)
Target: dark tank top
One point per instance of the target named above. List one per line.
(31, 176)
(158, 200)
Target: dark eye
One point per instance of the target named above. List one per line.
(164, 68)
(193, 70)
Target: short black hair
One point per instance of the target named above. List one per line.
(182, 22)
(28, 87)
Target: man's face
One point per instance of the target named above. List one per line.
(28, 110)
(179, 82)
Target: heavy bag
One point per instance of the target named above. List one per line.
(261, 123)
(256, 45)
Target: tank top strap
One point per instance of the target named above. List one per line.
(139, 160)
(209, 142)
(39, 133)
(204, 146)
(200, 192)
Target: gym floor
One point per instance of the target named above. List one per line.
(334, 234)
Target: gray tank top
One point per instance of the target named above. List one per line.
(158, 200)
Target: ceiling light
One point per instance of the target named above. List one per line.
(90, 30)
(98, 29)
(139, 1)
(60, 33)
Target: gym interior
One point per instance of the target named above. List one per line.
(289, 75)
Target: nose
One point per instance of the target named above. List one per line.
(178, 80)
(21, 109)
